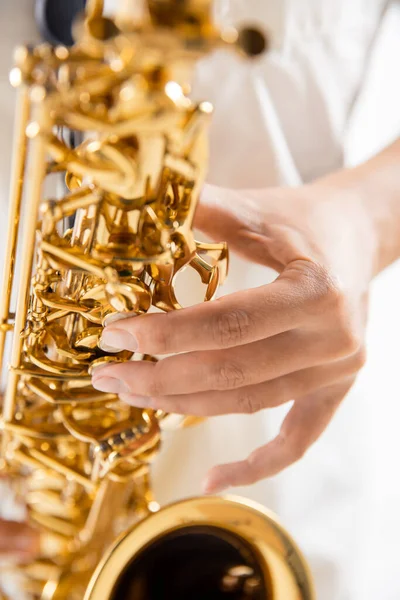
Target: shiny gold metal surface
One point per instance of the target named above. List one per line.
(213, 547)
(113, 119)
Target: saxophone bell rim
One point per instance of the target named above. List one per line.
(285, 570)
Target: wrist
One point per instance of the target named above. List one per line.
(373, 188)
(348, 232)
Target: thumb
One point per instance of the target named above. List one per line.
(233, 216)
(258, 234)
(214, 208)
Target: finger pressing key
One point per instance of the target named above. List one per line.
(264, 312)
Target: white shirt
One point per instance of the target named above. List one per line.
(326, 95)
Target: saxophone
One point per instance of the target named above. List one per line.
(111, 118)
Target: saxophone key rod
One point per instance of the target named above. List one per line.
(15, 203)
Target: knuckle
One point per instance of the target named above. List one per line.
(351, 341)
(157, 338)
(161, 339)
(230, 376)
(231, 328)
(155, 387)
(324, 288)
(323, 291)
(331, 299)
(248, 403)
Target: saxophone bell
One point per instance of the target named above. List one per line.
(216, 548)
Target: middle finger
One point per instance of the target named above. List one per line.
(219, 370)
(253, 398)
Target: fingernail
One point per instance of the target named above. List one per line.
(109, 349)
(116, 340)
(95, 370)
(209, 487)
(206, 485)
(113, 317)
(137, 401)
(109, 384)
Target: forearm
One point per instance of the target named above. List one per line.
(375, 186)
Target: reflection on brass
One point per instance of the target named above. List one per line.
(113, 119)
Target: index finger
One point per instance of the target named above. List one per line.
(240, 318)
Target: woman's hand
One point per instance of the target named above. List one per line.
(18, 540)
(299, 338)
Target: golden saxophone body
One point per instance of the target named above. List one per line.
(112, 116)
